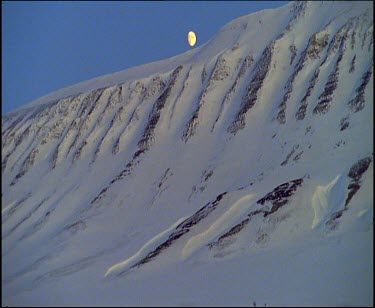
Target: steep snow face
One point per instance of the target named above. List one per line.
(247, 160)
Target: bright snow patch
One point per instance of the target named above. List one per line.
(143, 252)
(327, 199)
(224, 223)
(5, 210)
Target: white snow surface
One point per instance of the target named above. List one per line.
(328, 199)
(222, 224)
(239, 173)
(148, 247)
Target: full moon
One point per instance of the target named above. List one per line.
(192, 38)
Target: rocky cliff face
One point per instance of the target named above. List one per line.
(278, 112)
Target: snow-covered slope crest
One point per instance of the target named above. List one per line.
(248, 159)
(226, 38)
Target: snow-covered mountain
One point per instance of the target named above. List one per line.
(238, 173)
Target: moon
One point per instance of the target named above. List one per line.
(192, 38)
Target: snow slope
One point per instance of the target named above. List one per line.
(238, 173)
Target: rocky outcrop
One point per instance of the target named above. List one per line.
(157, 85)
(178, 97)
(352, 65)
(301, 113)
(148, 135)
(298, 12)
(147, 138)
(326, 98)
(220, 72)
(276, 199)
(337, 44)
(181, 229)
(344, 123)
(316, 44)
(355, 174)
(83, 120)
(244, 67)
(137, 92)
(295, 147)
(358, 102)
(114, 100)
(206, 175)
(251, 93)
(293, 53)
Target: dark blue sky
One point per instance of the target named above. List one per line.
(47, 46)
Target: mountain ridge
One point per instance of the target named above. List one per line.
(237, 153)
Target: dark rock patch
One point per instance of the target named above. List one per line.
(355, 173)
(278, 198)
(182, 228)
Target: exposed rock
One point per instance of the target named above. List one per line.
(339, 39)
(156, 86)
(219, 73)
(114, 98)
(293, 52)
(298, 11)
(6, 214)
(159, 185)
(352, 65)
(203, 182)
(80, 124)
(280, 195)
(148, 135)
(326, 98)
(358, 102)
(295, 147)
(277, 198)
(222, 70)
(251, 94)
(298, 156)
(355, 173)
(27, 164)
(317, 43)
(203, 75)
(139, 89)
(357, 170)
(301, 113)
(344, 123)
(77, 154)
(245, 65)
(234, 230)
(182, 229)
